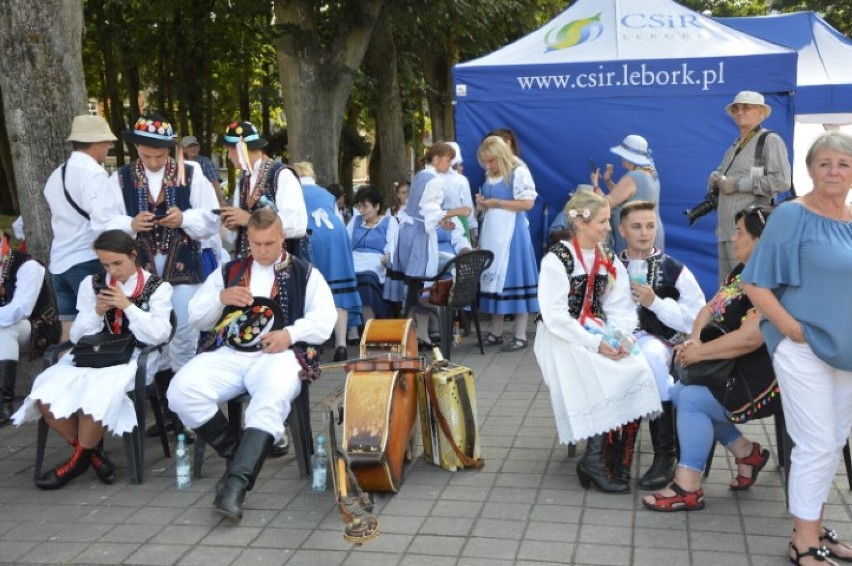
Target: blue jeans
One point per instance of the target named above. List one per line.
(67, 283)
(701, 420)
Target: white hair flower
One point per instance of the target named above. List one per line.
(572, 213)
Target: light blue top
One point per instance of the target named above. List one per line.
(806, 260)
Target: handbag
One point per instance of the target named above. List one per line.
(712, 373)
(752, 391)
(439, 292)
(103, 350)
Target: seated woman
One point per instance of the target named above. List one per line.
(80, 402)
(372, 236)
(701, 418)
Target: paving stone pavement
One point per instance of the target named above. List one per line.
(526, 507)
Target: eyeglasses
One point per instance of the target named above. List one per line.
(756, 210)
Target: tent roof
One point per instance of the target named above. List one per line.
(619, 30)
(825, 57)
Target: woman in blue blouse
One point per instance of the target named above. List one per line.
(799, 280)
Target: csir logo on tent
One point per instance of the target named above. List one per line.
(574, 33)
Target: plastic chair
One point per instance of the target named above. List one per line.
(464, 293)
(134, 441)
(299, 420)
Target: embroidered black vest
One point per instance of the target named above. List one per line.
(298, 247)
(183, 254)
(663, 273)
(45, 328)
(142, 301)
(577, 284)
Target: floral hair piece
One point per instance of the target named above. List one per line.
(574, 212)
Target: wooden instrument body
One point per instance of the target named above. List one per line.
(389, 336)
(456, 394)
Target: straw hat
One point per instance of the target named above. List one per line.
(90, 129)
(749, 97)
(635, 150)
(151, 130)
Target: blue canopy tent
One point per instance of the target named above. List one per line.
(604, 69)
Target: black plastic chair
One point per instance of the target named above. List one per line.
(299, 420)
(468, 268)
(134, 441)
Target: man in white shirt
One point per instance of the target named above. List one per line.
(75, 193)
(267, 364)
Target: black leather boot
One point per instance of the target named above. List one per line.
(8, 371)
(217, 432)
(162, 379)
(593, 469)
(623, 456)
(75, 466)
(243, 471)
(662, 470)
(105, 469)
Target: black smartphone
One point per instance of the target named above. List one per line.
(216, 211)
(159, 216)
(593, 165)
(100, 287)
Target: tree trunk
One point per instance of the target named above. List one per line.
(437, 77)
(112, 95)
(43, 88)
(388, 164)
(316, 79)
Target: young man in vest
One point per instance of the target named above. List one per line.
(267, 365)
(168, 209)
(263, 183)
(668, 298)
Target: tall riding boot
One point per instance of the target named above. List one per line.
(75, 466)
(8, 371)
(626, 448)
(163, 378)
(662, 470)
(593, 469)
(217, 432)
(243, 471)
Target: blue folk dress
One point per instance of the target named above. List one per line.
(369, 245)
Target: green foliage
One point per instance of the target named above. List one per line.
(728, 8)
(838, 14)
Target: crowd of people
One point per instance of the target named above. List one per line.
(622, 329)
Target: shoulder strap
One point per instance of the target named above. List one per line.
(73, 204)
(760, 161)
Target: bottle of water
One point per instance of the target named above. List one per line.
(457, 333)
(182, 465)
(319, 465)
(618, 337)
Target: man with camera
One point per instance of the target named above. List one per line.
(753, 170)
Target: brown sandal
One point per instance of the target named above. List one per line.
(681, 501)
(757, 460)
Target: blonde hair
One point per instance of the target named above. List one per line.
(583, 207)
(495, 147)
(304, 169)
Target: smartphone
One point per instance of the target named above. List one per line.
(159, 216)
(216, 211)
(593, 165)
(100, 287)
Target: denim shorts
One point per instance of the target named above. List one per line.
(66, 285)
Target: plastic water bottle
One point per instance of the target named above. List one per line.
(182, 465)
(457, 333)
(618, 337)
(319, 465)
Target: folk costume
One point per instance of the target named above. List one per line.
(662, 325)
(509, 285)
(267, 183)
(370, 244)
(416, 250)
(272, 379)
(172, 254)
(102, 392)
(27, 313)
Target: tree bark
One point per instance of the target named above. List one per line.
(43, 88)
(316, 79)
(387, 164)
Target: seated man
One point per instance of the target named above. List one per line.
(270, 373)
(669, 299)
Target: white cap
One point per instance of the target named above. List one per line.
(458, 158)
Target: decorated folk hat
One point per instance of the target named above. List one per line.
(90, 129)
(151, 130)
(749, 97)
(635, 150)
(245, 131)
(242, 327)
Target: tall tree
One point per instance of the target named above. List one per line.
(320, 48)
(41, 88)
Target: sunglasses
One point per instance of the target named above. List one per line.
(756, 210)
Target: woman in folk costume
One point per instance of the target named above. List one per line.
(583, 341)
(509, 285)
(80, 402)
(416, 249)
(330, 252)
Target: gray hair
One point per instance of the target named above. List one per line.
(836, 140)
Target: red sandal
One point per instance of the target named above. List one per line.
(757, 460)
(681, 501)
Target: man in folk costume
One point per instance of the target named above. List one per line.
(248, 357)
(668, 299)
(167, 206)
(23, 295)
(264, 183)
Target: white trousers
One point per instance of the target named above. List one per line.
(659, 357)
(12, 339)
(817, 402)
(214, 378)
(183, 346)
